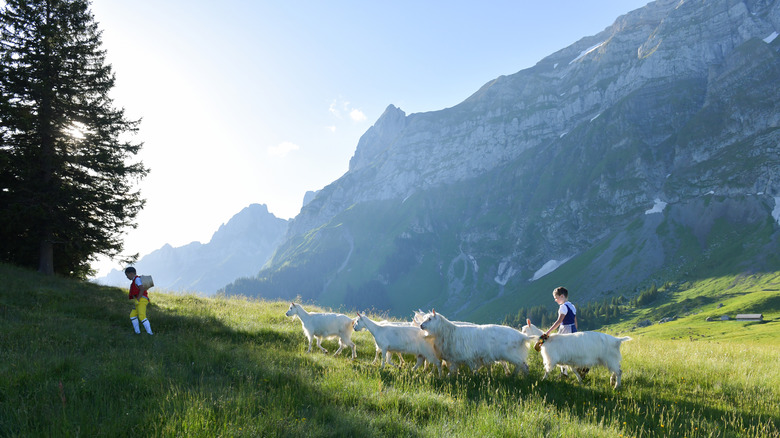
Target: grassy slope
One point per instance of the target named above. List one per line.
(234, 367)
(712, 298)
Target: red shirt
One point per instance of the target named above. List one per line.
(135, 289)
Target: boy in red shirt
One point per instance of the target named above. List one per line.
(141, 297)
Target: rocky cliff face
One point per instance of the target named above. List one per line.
(665, 42)
(673, 102)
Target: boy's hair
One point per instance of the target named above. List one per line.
(561, 291)
(130, 270)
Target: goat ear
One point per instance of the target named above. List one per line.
(528, 321)
(434, 312)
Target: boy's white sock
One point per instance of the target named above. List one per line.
(137, 329)
(147, 326)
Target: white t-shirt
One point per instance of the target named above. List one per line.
(564, 309)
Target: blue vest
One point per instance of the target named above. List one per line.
(568, 319)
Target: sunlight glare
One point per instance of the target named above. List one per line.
(77, 130)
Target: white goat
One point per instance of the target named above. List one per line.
(581, 351)
(324, 325)
(477, 345)
(419, 317)
(404, 339)
(535, 332)
(378, 350)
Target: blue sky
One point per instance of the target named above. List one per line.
(260, 101)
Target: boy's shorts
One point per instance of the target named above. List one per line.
(569, 328)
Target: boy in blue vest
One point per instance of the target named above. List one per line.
(567, 313)
(141, 296)
(566, 323)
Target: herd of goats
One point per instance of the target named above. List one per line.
(434, 339)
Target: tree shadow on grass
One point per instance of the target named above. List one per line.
(82, 371)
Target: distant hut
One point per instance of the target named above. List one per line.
(750, 317)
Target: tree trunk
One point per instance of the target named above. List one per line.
(46, 265)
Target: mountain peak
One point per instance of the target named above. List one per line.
(379, 137)
(239, 248)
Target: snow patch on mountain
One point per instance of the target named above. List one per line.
(548, 267)
(658, 207)
(586, 51)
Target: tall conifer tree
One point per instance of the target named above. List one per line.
(67, 179)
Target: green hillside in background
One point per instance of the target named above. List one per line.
(397, 256)
(237, 367)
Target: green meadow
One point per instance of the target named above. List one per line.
(233, 367)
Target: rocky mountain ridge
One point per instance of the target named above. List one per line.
(644, 49)
(551, 171)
